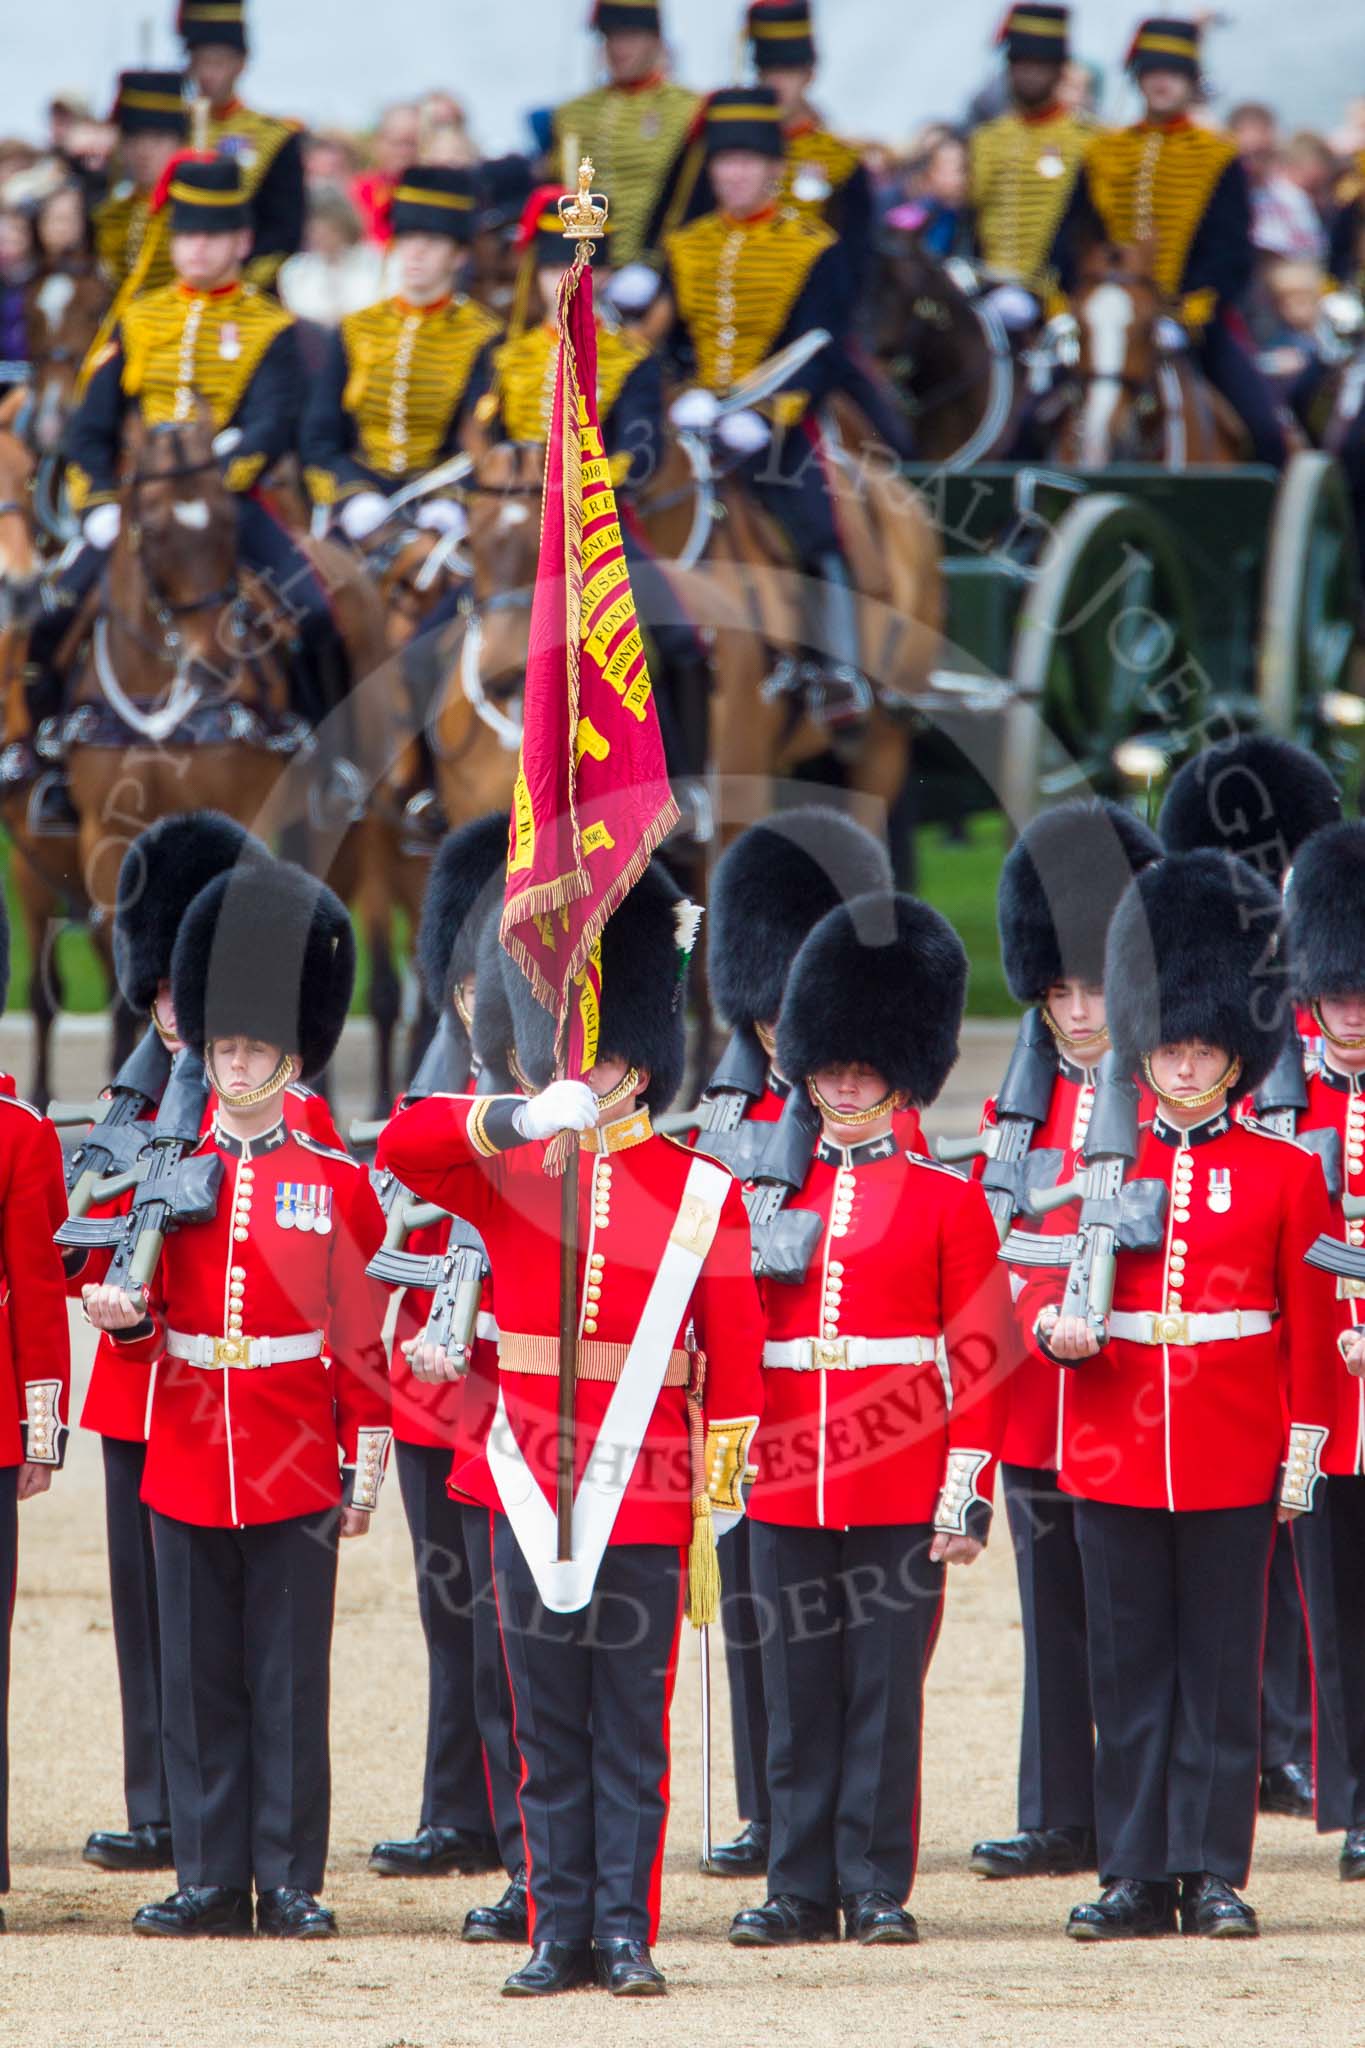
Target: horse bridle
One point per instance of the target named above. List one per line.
(165, 609)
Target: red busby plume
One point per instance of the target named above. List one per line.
(544, 198)
(177, 163)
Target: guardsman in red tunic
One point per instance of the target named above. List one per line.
(1201, 1406)
(162, 873)
(1325, 905)
(35, 1348)
(456, 1828)
(1058, 889)
(269, 1417)
(1260, 797)
(664, 1284)
(769, 890)
(882, 1422)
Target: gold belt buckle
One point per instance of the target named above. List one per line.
(231, 1351)
(830, 1351)
(1173, 1329)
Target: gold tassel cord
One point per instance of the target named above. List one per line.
(703, 1567)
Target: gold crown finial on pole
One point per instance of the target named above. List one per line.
(584, 213)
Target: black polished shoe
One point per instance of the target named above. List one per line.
(627, 1970)
(1036, 1852)
(292, 1914)
(435, 1852)
(1288, 1789)
(1129, 1909)
(876, 1919)
(195, 1910)
(144, 1848)
(505, 1921)
(745, 1856)
(1352, 1864)
(782, 1921)
(551, 1967)
(1209, 1905)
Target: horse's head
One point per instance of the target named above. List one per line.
(179, 516)
(1117, 307)
(916, 311)
(503, 496)
(62, 314)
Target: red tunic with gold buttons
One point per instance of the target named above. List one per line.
(35, 1352)
(230, 1445)
(464, 1154)
(425, 1412)
(908, 1252)
(1037, 1387)
(1183, 1424)
(1336, 1102)
(117, 1398)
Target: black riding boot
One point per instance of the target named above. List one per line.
(840, 695)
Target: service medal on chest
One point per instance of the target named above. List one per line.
(1220, 1190)
(229, 341)
(286, 1192)
(322, 1214)
(1050, 166)
(811, 187)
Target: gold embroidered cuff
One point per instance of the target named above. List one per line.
(242, 472)
(1302, 1467)
(1198, 308)
(727, 1462)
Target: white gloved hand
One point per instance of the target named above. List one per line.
(101, 525)
(362, 513)
(744, 432)
(563, 1106)
(226, 443)
(444, 515)
(695, 411)
(1016, 308)
(1171, 337)
(633, 287)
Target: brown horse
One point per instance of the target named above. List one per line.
(1129, 398)
(63, 311)
(948, 357)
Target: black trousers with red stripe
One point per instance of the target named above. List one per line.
(1057, 1738)
(851, 1616)
(742, 1626)
(137, 1630)
(1330, 1547)
(492, 1693)
(1286, 1677)
(454, 1787)
(590, 1695)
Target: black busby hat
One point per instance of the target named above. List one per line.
(265, 952)
(781, 35)
(463, 891)
(744, 117)
(1033, 32)
(1196, 950)
(436, 199)
(1164, 44)
(1325, 908)
(1058, 888)
(880, 982)
(770, 888)
(645, 949)
(1257, 797)
(163, 871)
(151, 102)
(212, 21)
(610, 15)
(208, 197)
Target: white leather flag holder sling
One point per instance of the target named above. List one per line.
(565, 1587)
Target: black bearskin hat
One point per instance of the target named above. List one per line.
(1196, 950)
(267, 952)
(1058, 888)
(508, 1019)
(163, 871)
(460, 893)
(881, 981)
(770, 889)
(1258, 797)
(1325, 909)
(644, 956)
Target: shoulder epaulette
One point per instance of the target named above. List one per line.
(18, 1102)
(936, 1165)
(312, 1144)
(1259, 1130)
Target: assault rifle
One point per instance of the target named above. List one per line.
(1116, 1214)
(739, 1080)
(1281, 1100)
(170, 1185)
(1014, 1170)
(454, 1278)
(119, 1133)
(1346, 1261)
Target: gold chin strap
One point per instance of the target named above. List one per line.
(516, 1070)
(856, 1118)
(168, 1038)
(1094, 1041)
(767, 1038)
(1231, 1076)
(628, 1085)
(463, 1010)
(1345, 1044)
(282, 1076)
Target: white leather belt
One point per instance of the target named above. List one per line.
(247, 1353)
(1153, 1327)
(847, 1354)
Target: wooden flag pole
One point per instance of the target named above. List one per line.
(568, 1347)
